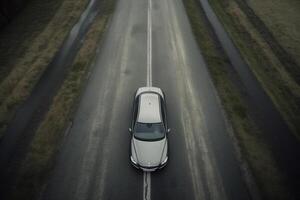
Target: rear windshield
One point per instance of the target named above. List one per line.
(149, 131)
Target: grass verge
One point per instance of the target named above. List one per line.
(13, 44)
(285, 47)
(271, 73)
(28, 45)
(39, 162)
(282, 18)
(250, 144)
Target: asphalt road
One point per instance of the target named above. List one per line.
(94, 159)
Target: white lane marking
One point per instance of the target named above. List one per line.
(149, 44)
(147, 175)
(147, 186)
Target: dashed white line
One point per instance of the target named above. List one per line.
(149, 44)
(147, 186)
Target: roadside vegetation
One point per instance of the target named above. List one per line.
(10, 8)
(38, 164)
(27, 45)
(282, 19)
(271, 62)
(254, 151)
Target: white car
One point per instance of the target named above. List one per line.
(149, 143)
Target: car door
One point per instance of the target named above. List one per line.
(163, 112)
(135, 111)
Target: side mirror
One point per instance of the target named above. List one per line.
(168, 130)
(130, 130)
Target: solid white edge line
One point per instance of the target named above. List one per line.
(147, 186)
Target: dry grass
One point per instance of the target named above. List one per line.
(253, 148)
(282, 17)
(40, 159)
(18, 35)
(23, 68)
(276, 81)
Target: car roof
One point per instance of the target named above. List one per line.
(149, 109)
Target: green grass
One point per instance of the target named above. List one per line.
(282, 17)
(253, 148)
(27, 46)
(273, 76)
(40, 160)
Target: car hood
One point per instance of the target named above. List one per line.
(149, 153)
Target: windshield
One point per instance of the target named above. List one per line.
(149, 131)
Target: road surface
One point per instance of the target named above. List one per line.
(148, 42)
